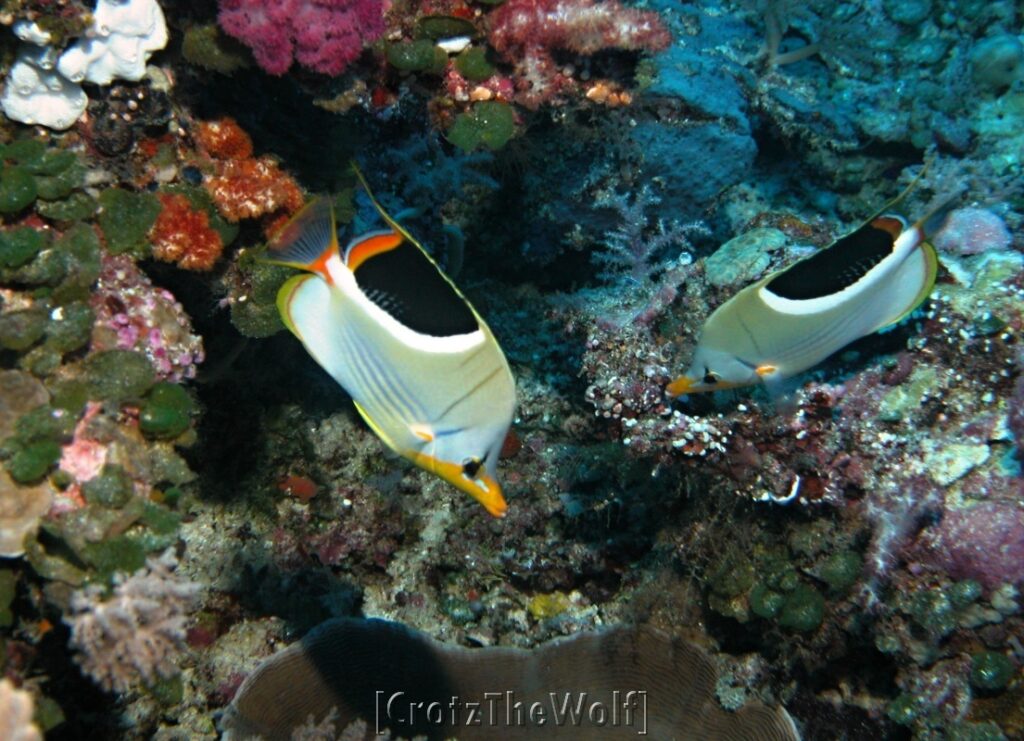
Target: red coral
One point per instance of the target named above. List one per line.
(224, 139)
(323, 35)
(183, 235)
(526, 32)
(246, 189)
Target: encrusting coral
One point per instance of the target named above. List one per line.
(135, 635)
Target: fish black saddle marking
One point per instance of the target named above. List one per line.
(408, 286)
(839, 265)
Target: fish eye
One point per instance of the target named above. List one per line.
(471, 466)
(710, 378)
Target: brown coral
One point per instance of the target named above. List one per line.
(224, 139)
(249, 188)
(183, 234)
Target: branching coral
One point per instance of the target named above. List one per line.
(135, 635)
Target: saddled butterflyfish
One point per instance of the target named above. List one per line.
(391, 328)
(793, 319)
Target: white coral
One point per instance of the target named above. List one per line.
(136, 634)
(120, 41)
(16, 714)
(123, 35)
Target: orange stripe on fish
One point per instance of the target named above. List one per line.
(371, 246)
(892, 225)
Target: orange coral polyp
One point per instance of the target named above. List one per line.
(183, 235)
(224, 139)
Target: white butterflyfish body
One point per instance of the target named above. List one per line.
(421, 366)
(795, 318)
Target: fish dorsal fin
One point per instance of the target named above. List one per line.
(308, 240)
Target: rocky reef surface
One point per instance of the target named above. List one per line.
(184, 491)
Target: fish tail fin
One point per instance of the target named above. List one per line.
(308, 240)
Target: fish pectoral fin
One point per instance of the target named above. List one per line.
(308, 240)
(286, 295)
(680, 386)
(766, 371)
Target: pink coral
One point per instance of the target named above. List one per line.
(526, 32)
(323, 35)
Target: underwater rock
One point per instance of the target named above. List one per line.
(743, 259)
(343, 667)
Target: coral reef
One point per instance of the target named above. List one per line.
(597, 178)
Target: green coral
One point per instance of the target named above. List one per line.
(803, 609)
(20, 245)
(126, 218)
(991, 670)
(117, 375)
(489, 125)
(841, 570)
(76, 207)
(765, 602)
(19, 330)
(166, 412)
(69, 327)
(33, 461)
(257, 314)
(474, 65)
(111, 488)
(417, 56)
(17, 189)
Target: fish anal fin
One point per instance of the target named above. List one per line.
(308, 240)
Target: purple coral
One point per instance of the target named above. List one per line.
(323, 35)
(133, 314)
(136, 634)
